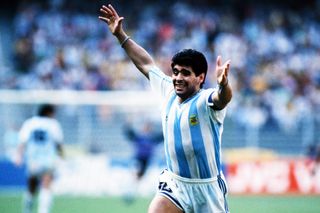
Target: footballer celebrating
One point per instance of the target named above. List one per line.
(192, 121)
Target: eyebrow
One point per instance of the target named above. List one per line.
(182, 70)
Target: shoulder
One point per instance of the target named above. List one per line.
(29, 122)
(156, 73)
(53, 122)
(206, 95)
(160, 82)
(208, 91)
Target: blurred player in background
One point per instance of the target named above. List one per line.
(192, 120)
(145, 141)
(40, 140)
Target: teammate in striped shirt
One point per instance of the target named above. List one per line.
(192, 119)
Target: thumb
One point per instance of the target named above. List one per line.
(218, 62)
(120, 20)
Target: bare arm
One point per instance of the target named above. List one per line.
(224, 95)
(19, 157)
(138, 55)
(60, 151)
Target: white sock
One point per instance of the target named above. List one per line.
(27, 202)
(45, 201)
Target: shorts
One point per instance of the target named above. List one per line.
(194, 195)
(37, 167)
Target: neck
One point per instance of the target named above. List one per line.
(183, 98)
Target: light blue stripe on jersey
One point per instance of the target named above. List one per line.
(216, 145)
(170, 102)
(223, 188)
(197, 142)
(183, 163)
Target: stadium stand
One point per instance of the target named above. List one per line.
(274, 49)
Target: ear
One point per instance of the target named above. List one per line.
(201, 77)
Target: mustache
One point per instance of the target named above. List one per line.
(175, 82)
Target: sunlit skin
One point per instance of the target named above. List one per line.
(185, 82)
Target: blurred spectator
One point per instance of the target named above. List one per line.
(276, 63)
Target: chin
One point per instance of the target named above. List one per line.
(181, 95)
(179, 92)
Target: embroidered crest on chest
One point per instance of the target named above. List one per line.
(193, 120)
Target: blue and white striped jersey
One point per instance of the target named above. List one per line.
(192, 130)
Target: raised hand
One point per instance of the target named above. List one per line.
(111, 17)
(222, 71)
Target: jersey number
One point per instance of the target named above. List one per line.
(164, 187)
(39, 136)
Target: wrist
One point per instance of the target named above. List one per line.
(124, 41)
(121, 36)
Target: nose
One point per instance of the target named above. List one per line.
(179, 76)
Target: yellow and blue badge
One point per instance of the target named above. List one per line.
(193, 120)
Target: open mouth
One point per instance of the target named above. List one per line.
(179, 86)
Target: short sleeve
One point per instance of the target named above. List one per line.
(217, 115)
(160, 82)
(57, 132)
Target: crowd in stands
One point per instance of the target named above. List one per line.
(274, 52)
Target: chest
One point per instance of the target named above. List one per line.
(187, 117)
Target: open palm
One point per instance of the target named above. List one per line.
(222, 71)
(111, 17)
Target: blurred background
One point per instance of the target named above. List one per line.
(57, 51)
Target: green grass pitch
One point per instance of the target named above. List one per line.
(11, 203)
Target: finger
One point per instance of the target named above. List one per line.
(108, 10)
(218, 62)
(106, 13)
(226, 71)
(114, 12)
(120, 20)
(226, 65)
(104, 19)
(223, 77)
(228, 61)
(225, 68)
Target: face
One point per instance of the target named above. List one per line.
(185, 82)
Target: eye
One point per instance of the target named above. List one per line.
(185, 72)
(175, 72)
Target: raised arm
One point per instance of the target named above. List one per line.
(138, 55)
(224, 95)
